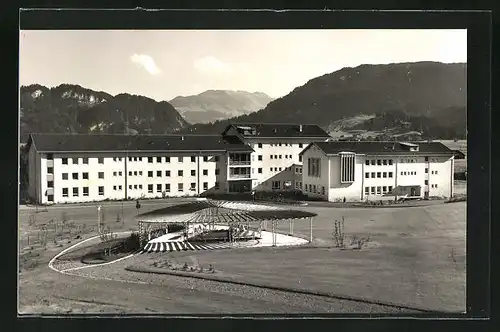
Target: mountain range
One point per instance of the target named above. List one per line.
(376, 101)
(427, 99)
(213, 105)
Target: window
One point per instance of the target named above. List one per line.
(100, 160)
(74, 161)
(300, 185)
(426, 158)
(367, 175)
(50, 156)
(290, 156)
(50, 170)
(271, 156)
(279, 144)
(279, 169)
(367, 190)
(158, 159)
(378, 174)
(205, 158)
(74, 176)
(180, 159)
(114, 173)
(120, 173)
(205, 172)
(101, 191)
(85, 176)
(300, 158)
(114, 187)
(167, 159)
(129, 158)
(50, 184)
(158, 188)
(193, 186)
(259, 170)
(216, 158)
(390, 174)
(367, 162)
(259, 145)
(323, 190)
(314, 167)
(404, 173)
(180, 173)
(129, 173)
(65, 192)
(193, 159)
(384, 162)
(378, 190)
(193, 172)
(167, 173)
(101, 175)
(270, 169)
(158, 174)
(435, 186)
(426, 182)
(379, 162)
(180, 187)
(85, 160)
(114, 158)
(216, 185)
(130, 186)
(120, 158)
(205, 185)
(135, 173)
(372, 190)
(150, 160)
(253, 170)
(150, 188)
(390, 161)
(384, 189)
(64, 176)
(276, 185)
(259, 157)
(135, 186)
(167, 187)
(64, 162)
(372, 162)
(86, 191)
(280, 156)
(140, 186)
(389, 189)
(150, 174)
(384, 174)
(217, 171)
(286, 156)
(435, 172)
(300, 145)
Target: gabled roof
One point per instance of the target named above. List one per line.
(380, 148)
(107, 142)
(277, 130)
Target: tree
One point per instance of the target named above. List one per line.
(107, 237)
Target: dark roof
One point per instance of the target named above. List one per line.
(378, 148)
(107, 142)
(278, 130)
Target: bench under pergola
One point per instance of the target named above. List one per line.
(210, 213)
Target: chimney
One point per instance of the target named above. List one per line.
(300, 128)
(182, 138)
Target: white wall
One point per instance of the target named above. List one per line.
(319, 182)
(351, 191)
(443, 178)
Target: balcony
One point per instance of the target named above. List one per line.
(245, 176)
(239, 162)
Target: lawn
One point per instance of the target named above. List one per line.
(417, 257)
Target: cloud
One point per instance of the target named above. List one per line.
(212, 65)
(146, 62)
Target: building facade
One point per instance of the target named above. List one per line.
(377, 170)
(275, 163)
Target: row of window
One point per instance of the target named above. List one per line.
(100, 160)
(378, 175)
(277, 185)
(159, 189)
(312, 188)
(280, 144)
(380, 190)
(298, 170)
(100, 175)
(378, 162)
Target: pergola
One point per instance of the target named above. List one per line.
(210, 213)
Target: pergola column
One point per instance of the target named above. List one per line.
(310, 229)
(273, 229)
(290, 226)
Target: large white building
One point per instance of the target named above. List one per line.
(377, 170)
(82, 168)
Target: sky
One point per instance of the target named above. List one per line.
(163, 64)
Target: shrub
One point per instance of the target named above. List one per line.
(132, 242)
(338, 233)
